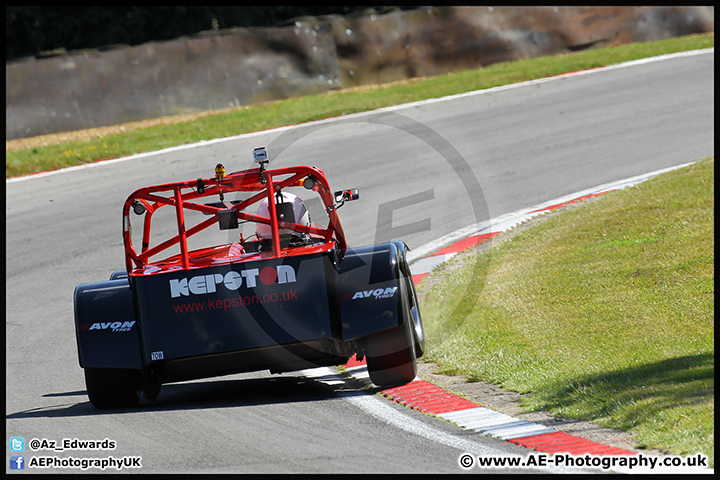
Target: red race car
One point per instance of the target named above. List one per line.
(291, 295)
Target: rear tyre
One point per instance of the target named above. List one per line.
(391, 359)
(411, 310)
(392, 355)
(414, 316)
(113, 387)
(118, 274)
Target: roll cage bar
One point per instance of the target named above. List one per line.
(266, 183)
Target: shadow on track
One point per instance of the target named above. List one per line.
(227, 392)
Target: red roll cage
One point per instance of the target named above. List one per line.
(181, 195)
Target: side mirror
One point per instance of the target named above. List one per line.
(347, 195)
(342, 196)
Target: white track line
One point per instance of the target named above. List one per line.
(419, 257)
(380, 409)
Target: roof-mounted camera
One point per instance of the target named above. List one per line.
(261, 157)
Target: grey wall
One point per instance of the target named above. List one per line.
(220, 69)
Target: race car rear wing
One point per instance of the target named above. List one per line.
(183, 195)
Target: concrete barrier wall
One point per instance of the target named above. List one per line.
(235, 67)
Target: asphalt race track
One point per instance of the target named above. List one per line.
(423, 171)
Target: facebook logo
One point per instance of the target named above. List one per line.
(17, 462)
(17, 444)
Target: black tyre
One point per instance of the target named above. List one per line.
(411, 309)
(392, 355)
(391, 358)
(419, 331)
(113, 387)
(118, 274)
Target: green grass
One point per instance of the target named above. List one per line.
(298, 110)
(604, 312)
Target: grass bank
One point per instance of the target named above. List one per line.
(52, 154)
(604, 312)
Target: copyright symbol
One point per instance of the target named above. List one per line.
(466, 460)
(34, 444)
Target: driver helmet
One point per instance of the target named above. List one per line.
(300, 210)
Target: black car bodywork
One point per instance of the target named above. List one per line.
(281, 305)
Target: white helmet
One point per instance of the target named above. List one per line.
(299, 209)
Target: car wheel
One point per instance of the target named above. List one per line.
(411, 308)
(391, 358)
(417, 321)
(113, 387)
